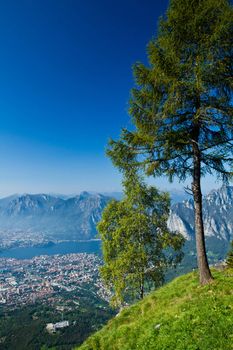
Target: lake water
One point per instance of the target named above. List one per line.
(59, 248)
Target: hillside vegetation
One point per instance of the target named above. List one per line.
(181, 315)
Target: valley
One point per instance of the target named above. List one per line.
(43, 221)
(49, 259)
(49, 289)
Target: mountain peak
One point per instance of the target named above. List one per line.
(72, 218)
(217, 215)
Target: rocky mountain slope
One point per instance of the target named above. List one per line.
(217, 214)
(218, 223)
(76, 217)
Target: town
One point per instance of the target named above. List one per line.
(23, 238)
(48, 278)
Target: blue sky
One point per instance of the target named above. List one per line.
(65, 77)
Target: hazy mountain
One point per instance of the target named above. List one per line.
(175, 195)
(178, 196)
(72, 218)
(76, 217)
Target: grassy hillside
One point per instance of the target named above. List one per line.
(181, 315)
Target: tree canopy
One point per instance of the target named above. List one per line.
(181, 107)
(137, 245)
(188, 81)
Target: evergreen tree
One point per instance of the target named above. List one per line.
(230, 257)
(181, 106)
(137, 246)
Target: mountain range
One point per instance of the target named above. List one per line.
(56, 218)
(217, 215)
(218, 222)
(75, 218)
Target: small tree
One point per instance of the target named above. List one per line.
(135, 242)
(230, 257)
(182, 105)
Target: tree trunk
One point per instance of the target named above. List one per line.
(142, 287)
(203, 266)
(142, 291)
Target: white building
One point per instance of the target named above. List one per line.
(53, 327)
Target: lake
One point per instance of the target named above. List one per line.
(59, 248)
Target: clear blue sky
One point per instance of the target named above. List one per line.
(65, 76)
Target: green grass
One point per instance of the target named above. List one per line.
(181, 315)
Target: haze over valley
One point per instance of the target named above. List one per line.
(41, 219)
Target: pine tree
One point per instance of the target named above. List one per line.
(181, 106)
(230, 257)
(137, 246)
